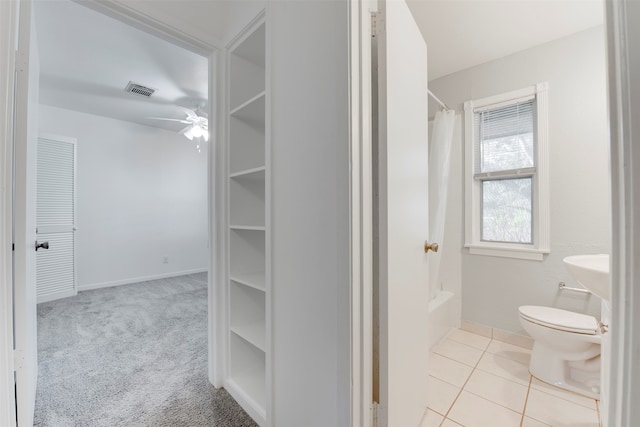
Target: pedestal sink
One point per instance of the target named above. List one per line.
(592, 271)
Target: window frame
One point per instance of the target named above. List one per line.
(539, 185)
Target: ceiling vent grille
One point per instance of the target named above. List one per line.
(139, 90)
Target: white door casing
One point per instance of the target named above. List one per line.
(24, 215)
(56, 218)
(403, 187)
(8, 36)
(623, 55)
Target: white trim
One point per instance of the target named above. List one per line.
(623, 52)
(361, 213)
(56, 296)
(217, 217)
(505, 98)
(269, 300)
(60, 138)
(507, 252)
(541, 211)
(131, 280)
(543, 194)
(8, 40)
(130, 16)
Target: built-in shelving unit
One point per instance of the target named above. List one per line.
(248, 229)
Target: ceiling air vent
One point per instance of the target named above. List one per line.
(140, 90)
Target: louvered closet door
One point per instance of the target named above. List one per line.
(56, 218)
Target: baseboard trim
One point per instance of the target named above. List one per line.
(139, 279)
(498, 334)
(58, 295)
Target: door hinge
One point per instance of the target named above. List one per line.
(13, 247)
(374, 24)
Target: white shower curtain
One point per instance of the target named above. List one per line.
(439, 164)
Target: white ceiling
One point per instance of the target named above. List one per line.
(87, 59)
(464, 33)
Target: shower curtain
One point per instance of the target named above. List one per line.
(439, 164)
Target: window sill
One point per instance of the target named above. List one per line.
(531, 254)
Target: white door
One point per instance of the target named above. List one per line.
(24, 216)
(56, 218)
(403, 198)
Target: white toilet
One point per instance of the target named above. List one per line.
(566, 351)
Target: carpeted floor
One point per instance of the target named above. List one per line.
(131, 356)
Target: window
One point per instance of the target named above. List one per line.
(507, 208)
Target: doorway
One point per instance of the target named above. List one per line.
(162, 146)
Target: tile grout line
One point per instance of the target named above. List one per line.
(465, 383)
(544, 391)
(526, 400)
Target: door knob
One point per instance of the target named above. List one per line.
(43, 245)
(430, 247)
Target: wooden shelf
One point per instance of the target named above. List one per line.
(247, 318)
(252, 111)
(248, 227)
(246, 390)
(253, 333)
(246, 252)
(255, 281)
(247, 146)
(248, 369)
(248, 198)
(253, 173)
(247, 201)
(252, 48)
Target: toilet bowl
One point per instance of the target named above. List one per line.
(566, 350)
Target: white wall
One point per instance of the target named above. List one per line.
(493, 288)
(141, 195)
(310, 164)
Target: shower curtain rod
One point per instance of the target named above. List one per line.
(438, 100)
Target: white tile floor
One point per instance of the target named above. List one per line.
(479, 382)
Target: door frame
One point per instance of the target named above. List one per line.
(8, 46)
(9, 23)
(623, 52)
(361, 212)
(623, 61)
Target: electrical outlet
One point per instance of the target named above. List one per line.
(165, 260)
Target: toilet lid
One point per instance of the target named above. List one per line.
(560, 319)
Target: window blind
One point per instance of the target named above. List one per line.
(505, 137)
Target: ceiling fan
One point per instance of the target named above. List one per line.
(196, 121)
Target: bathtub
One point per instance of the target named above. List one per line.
(444, 315)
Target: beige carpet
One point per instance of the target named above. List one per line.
(132, 355)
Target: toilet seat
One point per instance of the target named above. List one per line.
(560, 319)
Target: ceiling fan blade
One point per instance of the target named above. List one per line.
(168, 120)
(184, 131)
(190, 113)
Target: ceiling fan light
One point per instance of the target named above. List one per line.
(205, 134)
(197, 131)
(189, 134)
